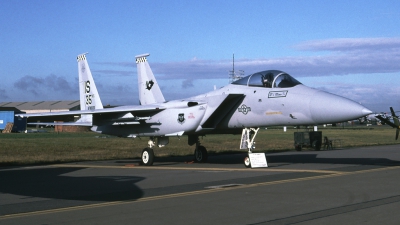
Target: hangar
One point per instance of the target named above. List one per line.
(43, 106)
(38, 107)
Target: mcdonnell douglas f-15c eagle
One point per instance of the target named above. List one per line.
(267, 98)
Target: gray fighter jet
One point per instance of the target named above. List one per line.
(387, 120)
(266, 98)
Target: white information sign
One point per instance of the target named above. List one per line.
(258, 160)
(1, 122)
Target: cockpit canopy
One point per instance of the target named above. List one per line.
(268, 79)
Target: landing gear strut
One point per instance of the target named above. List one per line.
(247, 142)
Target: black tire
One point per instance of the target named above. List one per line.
(200, 154)
(297, 147)
(247, 162)
(147, 157)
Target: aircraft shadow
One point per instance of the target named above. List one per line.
(312, 158)
(280, 158)
(50, 183)
(305, 157)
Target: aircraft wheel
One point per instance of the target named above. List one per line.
(147, 157)
(247, 162)
(200, 154)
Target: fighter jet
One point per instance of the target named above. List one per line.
(262, 99)
(394, 124)
(374, 118)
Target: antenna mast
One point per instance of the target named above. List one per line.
(235, 75)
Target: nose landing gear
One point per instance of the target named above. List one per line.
(247, 142)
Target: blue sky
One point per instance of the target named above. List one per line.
(350, 48)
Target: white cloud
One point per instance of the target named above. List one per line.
(187, 83)
(41, 85)
(375, 97)
(344, 56)
(349, 44)
(113, 72)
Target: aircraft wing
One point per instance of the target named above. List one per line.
(121, 109)
(123, 115)
(86, 124)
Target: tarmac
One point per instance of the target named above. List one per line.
(342, 186)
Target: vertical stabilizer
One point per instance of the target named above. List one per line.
(89, 97)
(149, 91)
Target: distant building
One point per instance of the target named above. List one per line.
(45, 106)
(7, 115)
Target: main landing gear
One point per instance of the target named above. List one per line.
(247, 142)
(200, 152)
(147, 157)
(148, 154)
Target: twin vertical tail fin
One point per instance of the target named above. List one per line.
(149, 91)
(89, 97)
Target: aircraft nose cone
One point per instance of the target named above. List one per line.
(366, 111)
(330, 108)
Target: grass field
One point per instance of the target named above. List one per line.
(51, 147)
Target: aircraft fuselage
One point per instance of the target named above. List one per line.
(252, 107)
